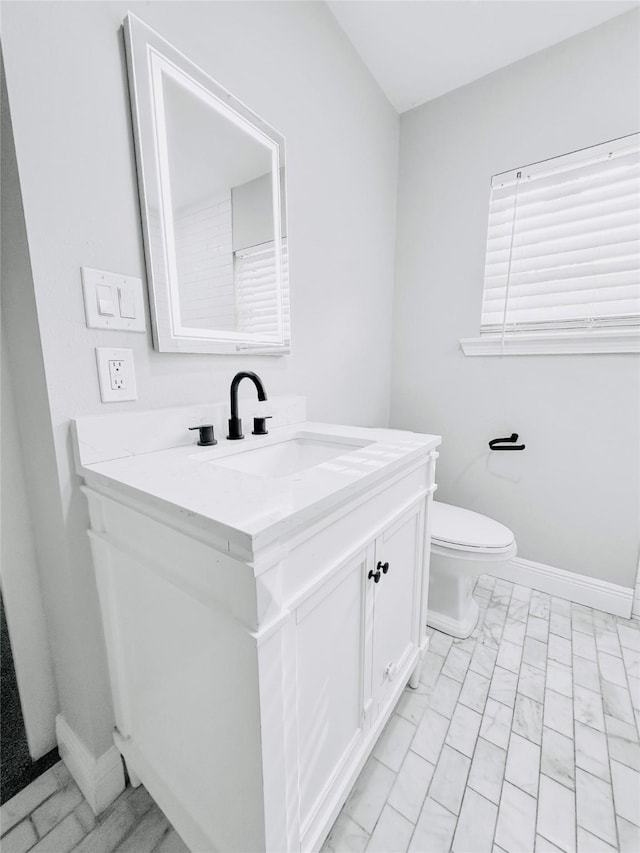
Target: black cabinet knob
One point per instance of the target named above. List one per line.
(384, 567)
(374, 575)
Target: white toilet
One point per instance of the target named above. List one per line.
(464, 544)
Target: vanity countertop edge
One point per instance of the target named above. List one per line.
(251, 511)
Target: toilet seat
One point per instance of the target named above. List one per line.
(453, 527)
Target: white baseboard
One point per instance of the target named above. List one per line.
(635, 612)
(582, 589)
(100, 779)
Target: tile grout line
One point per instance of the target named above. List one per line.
(426, 797)
(544, 693)
(504, 775)
(131, 829)
(606, 735)
(161, 839)
(59, 787)
(444, 657)
(490, 679)
(506, 757)
(573, 726)
(386, 805)
(626, 678)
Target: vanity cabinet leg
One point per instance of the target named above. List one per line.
(133, 776)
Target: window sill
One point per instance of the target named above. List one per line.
(625, 340)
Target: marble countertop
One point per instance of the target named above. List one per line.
(250, 509)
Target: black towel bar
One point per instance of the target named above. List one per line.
(498, 443)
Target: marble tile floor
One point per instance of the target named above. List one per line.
(523, 737)
(52, 816)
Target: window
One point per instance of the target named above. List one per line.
(562, 270)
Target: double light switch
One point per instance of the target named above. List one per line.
(113, 301)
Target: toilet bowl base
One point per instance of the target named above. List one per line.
(464, 545)
(460, 628)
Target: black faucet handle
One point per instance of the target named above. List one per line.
(260, 425)
(207, 438)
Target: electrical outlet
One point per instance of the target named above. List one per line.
(116, 374)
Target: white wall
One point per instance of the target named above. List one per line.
(78, 665)
(67, 89)
(21, 588)
(572, 496)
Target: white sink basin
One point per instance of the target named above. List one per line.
(288, 457)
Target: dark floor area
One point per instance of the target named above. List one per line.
(16, 767)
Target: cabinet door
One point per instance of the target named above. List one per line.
(396, 605)
(329, 652)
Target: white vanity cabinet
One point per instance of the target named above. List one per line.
(356, 643)
(252, 675)
(397, 596)
(330, 633)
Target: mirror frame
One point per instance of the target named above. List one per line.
(149, 55)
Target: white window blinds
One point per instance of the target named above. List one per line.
(260, 304)
(563, 246)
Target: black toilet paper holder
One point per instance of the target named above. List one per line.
(508, 443)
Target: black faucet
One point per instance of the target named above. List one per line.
(235, 424)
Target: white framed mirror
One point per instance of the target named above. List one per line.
(212, 185)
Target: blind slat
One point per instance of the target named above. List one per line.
(612, 265)
(539, 265)
(588, 240)
(609, 198)
(591, 295)
(570, 286)
(620, 308)
(620, 213)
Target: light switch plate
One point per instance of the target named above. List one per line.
(122, 294)
(116, 374)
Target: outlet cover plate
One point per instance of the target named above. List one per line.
(126, 374)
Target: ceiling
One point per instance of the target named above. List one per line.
(420, 49)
